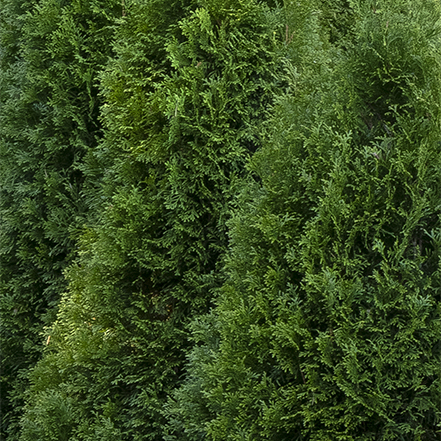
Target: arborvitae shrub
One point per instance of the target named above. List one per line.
(198, 410)
(328, 327)
(185, 96)
(50, 56)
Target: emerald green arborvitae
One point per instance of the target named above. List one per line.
(50, 55)
(185, 95)
(328, 327)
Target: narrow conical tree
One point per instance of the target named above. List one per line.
(222, 398)
(50, 56)
(184, 98)
(329, 325)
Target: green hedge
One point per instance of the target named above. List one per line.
(221, 220)
(328, 327)
(50, 56)
(184, 97)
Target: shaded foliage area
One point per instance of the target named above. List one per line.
(50, 57)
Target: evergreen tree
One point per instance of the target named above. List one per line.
(50, 55)
(185, 95)
(11, 79)
(328, 327)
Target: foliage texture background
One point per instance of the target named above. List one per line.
(220, 220)
(50, 57)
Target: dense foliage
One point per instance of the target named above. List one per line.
(184, 96)
(50, 57)
(328, 327)
(220, 220)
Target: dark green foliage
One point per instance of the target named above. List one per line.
(50, 56)
(328, 327)
(184, 98)
(337, 19)
(318, 124)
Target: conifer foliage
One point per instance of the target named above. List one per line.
(184, 98)
(238, 204)
(328, 327)
(50, 56)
